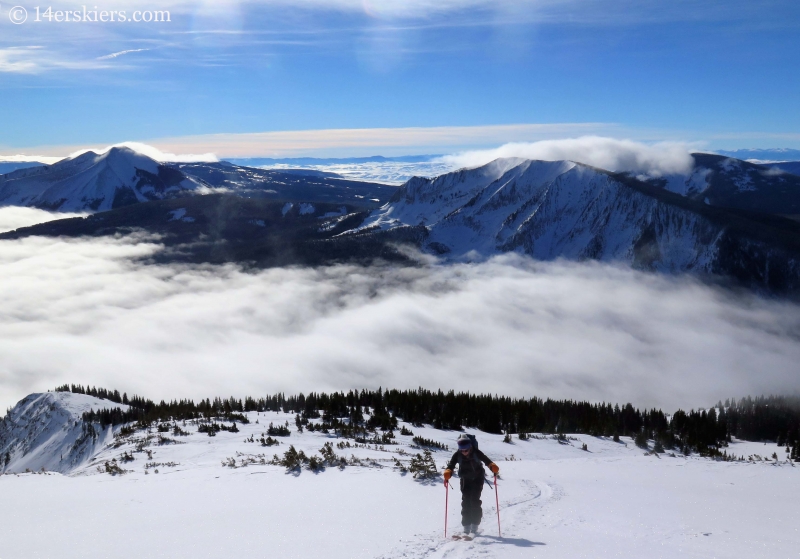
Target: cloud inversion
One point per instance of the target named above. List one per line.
(90, 312)
(14, 217)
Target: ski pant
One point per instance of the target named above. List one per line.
(471, 512)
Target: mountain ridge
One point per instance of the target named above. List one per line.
(550, 210)
(92, 181)
(121, 177)
(543, 209)
(46, 431)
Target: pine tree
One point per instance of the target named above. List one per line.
(641, 439)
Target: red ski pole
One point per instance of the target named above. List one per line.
(497, 500)
(446, 495)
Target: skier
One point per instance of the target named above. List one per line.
(471, 473)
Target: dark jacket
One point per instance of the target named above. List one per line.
(469, 467)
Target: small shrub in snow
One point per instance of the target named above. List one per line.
(406, 432)
(279, 431)
(213, 428)
(269, 441)
(127, 430)
(162, 440)
(293, 459)
(641, 439)
(113, 468)
(423, 466)
(330, 458)
(399, 465)
(421, 441)
(178, 432)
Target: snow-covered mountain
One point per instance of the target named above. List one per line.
(122, 177)
(92, 181)
(732, 183)
(47, 431)
(563, 209)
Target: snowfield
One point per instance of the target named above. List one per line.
(556, 501)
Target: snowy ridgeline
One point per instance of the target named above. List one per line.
(562, 209)
(548, 210)
(47, 432)
(210, 489)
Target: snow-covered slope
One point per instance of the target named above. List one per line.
(563, 209)
(548, 210)
(90, 181)
(46, 431)
(195, 496)
(726, 182)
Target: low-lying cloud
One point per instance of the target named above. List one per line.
(664, 158)
(92, 312)
(14, 217)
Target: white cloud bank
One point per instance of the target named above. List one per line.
(664, 158)
(87, 311)
(14, 217)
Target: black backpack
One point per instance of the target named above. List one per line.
(474, 441)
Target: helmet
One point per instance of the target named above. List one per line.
(464, 442)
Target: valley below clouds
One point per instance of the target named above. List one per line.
(95, 311)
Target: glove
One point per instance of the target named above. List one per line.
(495, 469)
(447, 475)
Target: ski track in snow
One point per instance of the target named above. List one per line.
(515, 515)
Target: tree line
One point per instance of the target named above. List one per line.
(765, 418)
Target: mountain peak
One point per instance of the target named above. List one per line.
(92, 181)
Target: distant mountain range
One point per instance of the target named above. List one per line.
(9, 166)
(727, 218)
(258, 161)
(121, 177)
(294, 185)
(773, 154)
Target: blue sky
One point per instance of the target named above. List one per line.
(722, 74)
